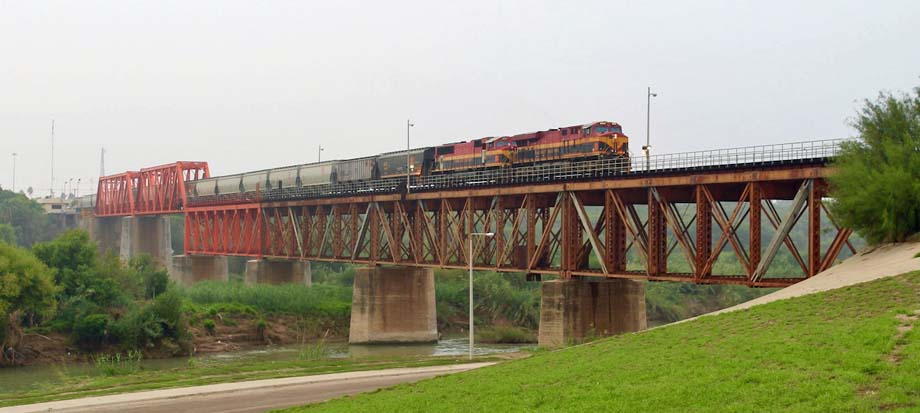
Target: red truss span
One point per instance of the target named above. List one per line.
(150, 191)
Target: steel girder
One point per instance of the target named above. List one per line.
(702, 233)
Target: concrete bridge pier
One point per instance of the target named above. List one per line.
(573, 310)
(189, 269)
(278, 272)
(393, 305)
(146, 235)
(130, 236)
(105, 231)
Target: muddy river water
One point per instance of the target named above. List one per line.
(22, 378)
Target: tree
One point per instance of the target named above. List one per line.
(7, 234)
(77, 268)
(27, 292)
(26, 216)
(876, 184)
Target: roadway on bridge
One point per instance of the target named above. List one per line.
(249, 396)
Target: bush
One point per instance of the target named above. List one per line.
(159, 322)
(209, 326)
(502, 334)
(90, 332)
(876, 184)
(153, 278)
(118, 364)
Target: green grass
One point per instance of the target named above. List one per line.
(200, 372)
(319, 300)
(504, 334)
(835, 351)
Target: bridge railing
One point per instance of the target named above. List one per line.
(773, 154)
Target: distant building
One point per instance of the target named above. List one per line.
(53, 205)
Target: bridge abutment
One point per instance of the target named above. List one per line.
(279, 272)
(573, 310)
(393, 305)
(189, 269)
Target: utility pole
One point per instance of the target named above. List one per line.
(102, 162)
(409, 126)
(648, 123)
(52, 158)
(14, 172)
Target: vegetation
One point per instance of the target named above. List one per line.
(23, 220)
(118, 364)
(27, 296)
(504, 334)
(887, 155)
(852, 349)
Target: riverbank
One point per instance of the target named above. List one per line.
(45, 383)
(855, 348)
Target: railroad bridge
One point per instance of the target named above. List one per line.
(594, 231)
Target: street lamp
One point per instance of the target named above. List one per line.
(319, 154)
(648, 123)
(409, 126)
(475, 234)
(14, 172)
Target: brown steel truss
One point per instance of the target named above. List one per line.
(713, 228)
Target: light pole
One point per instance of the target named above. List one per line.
(648, 123)
(475, 234)
(409, 126)
(319, 154)
(14, 172)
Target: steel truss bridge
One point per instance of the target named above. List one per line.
(669, 218)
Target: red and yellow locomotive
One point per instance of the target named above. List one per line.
(592, 141)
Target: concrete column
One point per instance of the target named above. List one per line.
(189, 269)
(146, 235)
(393, 305)
(278, 272)
(576, 309)
(105, 231)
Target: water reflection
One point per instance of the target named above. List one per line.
(25, 378)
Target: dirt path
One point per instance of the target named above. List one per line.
(872, 264)
(247, 396)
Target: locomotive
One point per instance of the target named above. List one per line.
(596, 140)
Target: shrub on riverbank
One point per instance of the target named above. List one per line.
(505, 335)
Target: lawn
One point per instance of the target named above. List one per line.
(853, 349)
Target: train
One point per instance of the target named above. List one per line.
(596, 140)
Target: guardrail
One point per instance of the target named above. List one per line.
(730, 158)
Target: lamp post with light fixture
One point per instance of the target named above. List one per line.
(475, 234)
(409, 126)
(648, 123)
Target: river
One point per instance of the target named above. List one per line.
(15, 379)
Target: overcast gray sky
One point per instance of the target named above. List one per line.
(247, 85)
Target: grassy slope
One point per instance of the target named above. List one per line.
(838, 350)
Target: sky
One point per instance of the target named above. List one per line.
(249, 85)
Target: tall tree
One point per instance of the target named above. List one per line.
(876, 184)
